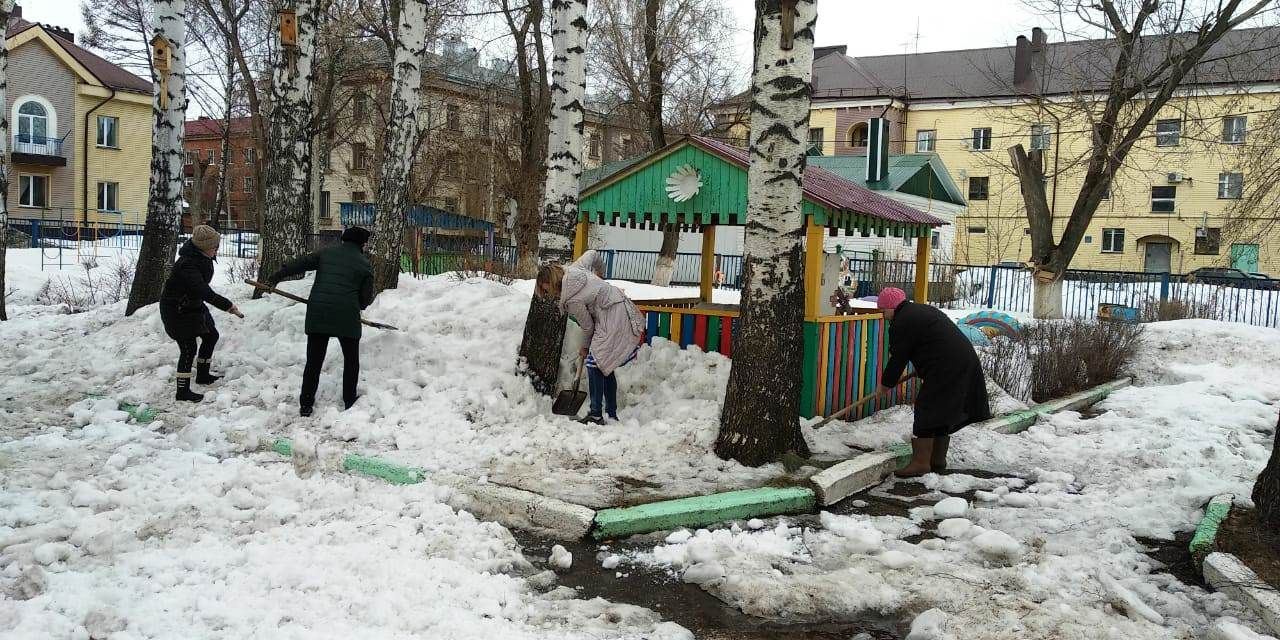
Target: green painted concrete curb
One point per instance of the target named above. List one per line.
(1214, 513)
(365, 465)
(902, 451)
(703, 510)
(393, 473)
(1020, 421)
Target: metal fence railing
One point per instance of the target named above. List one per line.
(638, 266)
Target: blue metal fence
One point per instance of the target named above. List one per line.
(638, 266)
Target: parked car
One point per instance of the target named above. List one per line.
(1264, 281)
(1231, 278)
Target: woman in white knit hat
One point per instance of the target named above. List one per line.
(183, 310)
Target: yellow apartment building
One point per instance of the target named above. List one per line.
(1174, 206)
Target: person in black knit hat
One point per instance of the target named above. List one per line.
(343, 287)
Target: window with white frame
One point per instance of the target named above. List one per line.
(1233, 129)
(981, 139)
(1208, 241)
(1163, 199)
(1230, 186)
(33, 190)
(926, 140)
(109, 132)
(1113, 240)
(1168, 133)
(35, 122)
(248, 184)
(1041, 135)
(108, 196)
(817, 137)
(250, 155)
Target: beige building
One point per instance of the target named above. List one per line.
(1174, 206)
(469, 147)
(80, 131)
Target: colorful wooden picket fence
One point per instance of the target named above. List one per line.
(709, 330)
(843, 355)
(843, 358)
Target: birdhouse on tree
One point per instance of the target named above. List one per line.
(289, 37)
(162, 62)
(288, 28)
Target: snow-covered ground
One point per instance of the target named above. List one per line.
(178, 529)
(1048, 550)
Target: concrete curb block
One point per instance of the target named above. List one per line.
(851, 476)
(1227, 574)
(520, 509)
(1214, 513)
(507, 506)
(699, 511)
(1022, 420)
(365, 465)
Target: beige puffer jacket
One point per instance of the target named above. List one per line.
(612, 323)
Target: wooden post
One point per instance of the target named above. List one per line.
(922, 269)
(580, 238)
(706, 280)
(813, 240)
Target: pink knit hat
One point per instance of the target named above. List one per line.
(890, 298)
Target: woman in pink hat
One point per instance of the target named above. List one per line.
(954, 391)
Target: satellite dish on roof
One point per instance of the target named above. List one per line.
(684, 183)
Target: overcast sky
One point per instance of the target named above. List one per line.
(867, 28)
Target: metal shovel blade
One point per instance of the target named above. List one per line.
(568, 402)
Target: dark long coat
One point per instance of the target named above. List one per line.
(954, 391)
(182, 302)
(343, 287)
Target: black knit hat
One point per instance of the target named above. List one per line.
(358, 235)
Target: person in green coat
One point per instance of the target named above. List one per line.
(343, 287)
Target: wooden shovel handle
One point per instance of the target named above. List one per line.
(285, 294)
(859, 402)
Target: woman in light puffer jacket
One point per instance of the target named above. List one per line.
(614, 327)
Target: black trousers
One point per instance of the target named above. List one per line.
(187, 352)
(317, 346)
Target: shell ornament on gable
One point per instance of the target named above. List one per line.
(684, 183)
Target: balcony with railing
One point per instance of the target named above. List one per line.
(40, 150)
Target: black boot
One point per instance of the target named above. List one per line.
(305, 411)
(202, 373)
(184, 389)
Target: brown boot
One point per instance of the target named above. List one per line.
(921, 456)
(938, 461)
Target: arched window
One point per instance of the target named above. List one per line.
(858, 135)
(33, 122)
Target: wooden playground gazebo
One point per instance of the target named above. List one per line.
(699, 184)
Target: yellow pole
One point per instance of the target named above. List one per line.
(580, 238)
(707, 277)
(813, 240)
(922, 269)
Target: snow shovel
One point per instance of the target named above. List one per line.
(569, 401)
(270, 289)
(859, 402)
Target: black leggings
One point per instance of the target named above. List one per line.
(317, 345)
(187, 352)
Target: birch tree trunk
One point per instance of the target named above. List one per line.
(760, 418)
(656, 69)
(164, 206)
(1266, 491)
(544, 327)
(6, 10)
(222, 197)
(286, 219)
(401, 139)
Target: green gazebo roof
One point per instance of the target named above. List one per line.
(633, 192)
(917, 174)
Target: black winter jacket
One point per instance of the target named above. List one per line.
(185, 293)
(343, 287)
